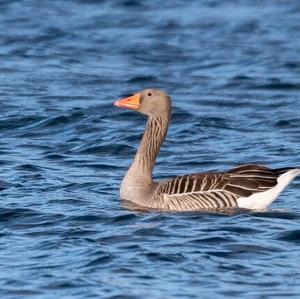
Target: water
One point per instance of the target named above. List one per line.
(233, 70)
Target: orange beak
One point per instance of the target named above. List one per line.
(132, 102)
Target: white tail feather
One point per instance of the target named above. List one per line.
(262, 200)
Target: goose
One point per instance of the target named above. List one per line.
(248, 186)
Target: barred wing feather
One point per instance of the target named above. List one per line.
(204, 191)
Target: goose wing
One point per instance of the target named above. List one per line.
(204, 191)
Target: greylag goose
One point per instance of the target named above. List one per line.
(248, 186)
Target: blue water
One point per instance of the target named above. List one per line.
(233, 71)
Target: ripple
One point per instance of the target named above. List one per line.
(18, 122)
(29, 167)
(211, 241)
(14, 213)
(278, 85)
(151, 232)
(143, 80)
(170, 258)
(4, 185)
(292, 236)
(106, 259)
(278, 214)
(124, 219)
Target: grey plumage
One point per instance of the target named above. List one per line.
(200, 191)
(216, 190)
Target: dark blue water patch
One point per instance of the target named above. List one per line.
(79, 186)
(292, 236)
(287, 123)
(66, 201)
(122, 219)
(151, 80)
(59, 120)
(78, 233)
(11, 214)
(88, 219)
(22, 292)
(210, 241)
(18, 122)
(116, 239)
(122, 297)
(103, 149)
(25, 218)
(165, 258)
(289, 215)
(276, 84)
(252, 83)
(150, 231)
(29, 168)
(105, 259)
(4, 185)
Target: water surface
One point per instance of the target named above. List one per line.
(233, 70)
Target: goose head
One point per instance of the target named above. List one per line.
(152, 102)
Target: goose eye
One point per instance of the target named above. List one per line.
(149, 94)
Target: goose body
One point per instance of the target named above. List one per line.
(248, 186)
